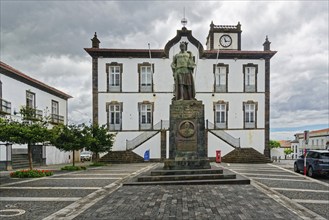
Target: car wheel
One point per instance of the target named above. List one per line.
(296, 168)
(310, 172)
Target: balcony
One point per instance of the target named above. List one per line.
(56, 119)
(5, 107)
(33, 114)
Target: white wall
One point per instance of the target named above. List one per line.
(277, 152)
(3, 152)
(55, 156)
(153, 145)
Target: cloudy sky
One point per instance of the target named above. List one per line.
(45, 39)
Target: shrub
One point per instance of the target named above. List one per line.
(73, 168)
(30, 173)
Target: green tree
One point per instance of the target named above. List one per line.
(274, 144)
(287, 151)
(98, 139)
(24, 132)
(68, 138)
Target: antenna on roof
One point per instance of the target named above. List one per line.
(184, 20)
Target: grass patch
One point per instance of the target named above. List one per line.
(98, 164)
(73, 168)
(30, 173)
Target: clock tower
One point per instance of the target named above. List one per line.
(224, 37)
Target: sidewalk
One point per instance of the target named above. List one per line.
(287, 164)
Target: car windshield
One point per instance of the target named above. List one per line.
(324, 155)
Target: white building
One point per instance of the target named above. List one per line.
(133, 88)
(312, 140)
(18, 91)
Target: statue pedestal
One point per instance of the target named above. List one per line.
(187, 137)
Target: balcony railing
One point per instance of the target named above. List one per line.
(5, 107)
(56, 119)
(33, 114)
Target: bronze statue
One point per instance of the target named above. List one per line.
(182, 67)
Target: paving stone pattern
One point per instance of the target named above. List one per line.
(290, 184)
(33, 210)
(188, 202)
(45, 192)
(54, 182)
(321, 209)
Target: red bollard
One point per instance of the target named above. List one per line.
(218, 156)
(305, 170)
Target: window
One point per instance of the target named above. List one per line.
(221, 109)
(5, 106)
(250, 77)
(55, 117)
(145, 116)
(145, 71)
(114, 116)
(220, 72)
(250, 109)
(114, 76)
(30, 100)
(29, 112)
(54, 107)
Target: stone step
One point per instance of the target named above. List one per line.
(185, 172)
(215, 175)
(245, 155)
(193, 182)
(122, 157)
(185, 177)
(21, 161)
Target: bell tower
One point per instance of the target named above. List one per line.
(224, 37)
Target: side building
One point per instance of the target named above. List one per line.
(312, 140)
(132, 90)
(22, 97)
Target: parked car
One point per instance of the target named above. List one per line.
(86, 156)
(317, 163)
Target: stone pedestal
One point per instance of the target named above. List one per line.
(187, 136)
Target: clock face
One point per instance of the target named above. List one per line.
(225, 40)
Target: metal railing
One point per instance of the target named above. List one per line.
(146, 135)
(56, 119)
(29, 113)
(5, 106)
(226, 137)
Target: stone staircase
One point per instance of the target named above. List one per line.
(221, 134)
(245, 155)
(21, 161)
(147, 135)
(122, 157)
